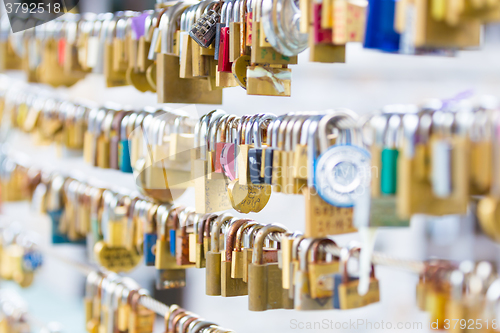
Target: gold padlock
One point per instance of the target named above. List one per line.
(214, 257)
(265, 288)
(231, 286)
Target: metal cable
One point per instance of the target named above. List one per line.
(146, 301)
(154, 305)
(415, 266)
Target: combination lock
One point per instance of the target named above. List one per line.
(204, 29)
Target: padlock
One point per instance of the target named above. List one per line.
(106, 323)
(214, 257)
(286, 252)
(141, 319)
(182, 238)
(92, 302)
(244, 145)
(437, 188)
(123, 146)
(150, 233)
(237, 263)
(222, 140)
(457, 306)
(210, 193)
(319, 267)
(481, 154)
(90, 294)
(206, 221)
(248, 241)
(271, 170)
(203, 31)
(55, 208)
(114, 78)
(115, 138)
(227, 153)
(348, 289)
(265, 289)
(302, 295)
(169, 274)
(224, 65)
(175, 88)
(234, 31)
(247, 198)
(336, 216)
(255, 154)
(231, 287)
(104, 140)
(380, 31)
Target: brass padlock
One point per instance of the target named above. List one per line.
(103, 139)
(141, 319)
(171, 87)
(201, 244)
(348, 289)
(214, 257)
(182, 241)
(231, 287)
(320, 266)
(265, 288)
(210, 192)
(169, 274)
(237, 269)
(302, 294)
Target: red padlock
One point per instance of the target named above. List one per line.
(321, 36)
(224, 65)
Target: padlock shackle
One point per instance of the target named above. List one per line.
(220, 133)
(148, 222)
(208, 225)
(239, 235)
(295, 247)
(280, 142)
(317, 246)
(257, 128)
(201, 226)
(343, 119)
(231, 237)
(248, 127)
(345, 260)
(241, 129)
(216, 229)
(391, 133)
(249, 238)
(304, 247)
(232, 124)
(213, 127)
(91, 284)
(258, 246)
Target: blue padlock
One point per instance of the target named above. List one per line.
(380, 33)
(57, 236)
(173, 236)
(149, 246)
(124, 146)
